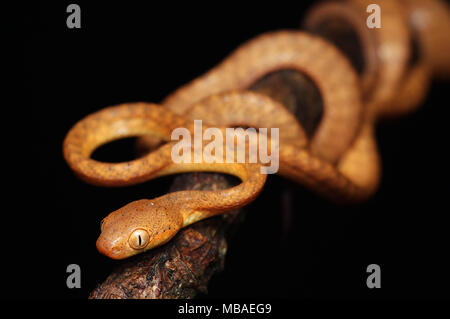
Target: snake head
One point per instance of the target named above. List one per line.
(139, 226)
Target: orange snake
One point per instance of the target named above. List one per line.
(340, 161)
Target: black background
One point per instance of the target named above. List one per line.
(128, 52)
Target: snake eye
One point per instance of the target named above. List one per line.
(139, 239)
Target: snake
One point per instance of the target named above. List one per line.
(340, 161)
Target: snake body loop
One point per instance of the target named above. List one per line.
(292, 50)
(340, 161)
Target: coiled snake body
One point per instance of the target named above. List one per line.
(340, 161)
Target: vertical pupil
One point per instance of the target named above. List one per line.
(140, 241)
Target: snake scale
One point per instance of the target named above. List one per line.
(340, 161)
